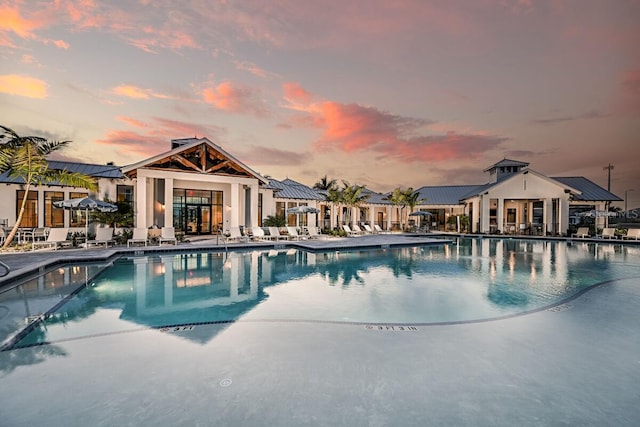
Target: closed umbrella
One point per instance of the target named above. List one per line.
(302, 210)
(87, 204)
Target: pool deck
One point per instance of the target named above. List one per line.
(574, 364)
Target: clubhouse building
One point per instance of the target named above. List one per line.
(199, 188)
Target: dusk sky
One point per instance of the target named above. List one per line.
(382, 93)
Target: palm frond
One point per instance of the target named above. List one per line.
(72, 179)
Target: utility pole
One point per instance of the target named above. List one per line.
(609, 167)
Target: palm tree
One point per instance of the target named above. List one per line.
(333, 196)
(353, 196)
(325, 184)
(412, 199)
(397, 199)
(24, 157)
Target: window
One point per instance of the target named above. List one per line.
(53, 217)
(124, 194)
(78, 216)
(30, 216)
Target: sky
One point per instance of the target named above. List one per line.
(380, 93)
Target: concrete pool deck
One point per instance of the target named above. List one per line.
(575, 364)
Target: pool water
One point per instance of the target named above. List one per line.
(467, 280)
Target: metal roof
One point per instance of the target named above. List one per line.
(290, 189)
(446, 194)
(591, 192)
(96, 171)
(507, 162)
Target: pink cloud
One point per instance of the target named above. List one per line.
(293, 92)
(235, 99)
(25, 86)
(629, 99)
(151, 138)
(135, 92)
(355, 128)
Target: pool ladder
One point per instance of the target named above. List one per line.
(224, 240)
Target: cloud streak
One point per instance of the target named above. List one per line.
(235, 98)
(594, 114)
(25, 86)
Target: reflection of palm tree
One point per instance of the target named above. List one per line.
(402, 263)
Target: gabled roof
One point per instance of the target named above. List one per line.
(200, 156)
(96, 171)
(290, 189)
(590, 191)
(445, 195)
(507, 162)
(483, 188)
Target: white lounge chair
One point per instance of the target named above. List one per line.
(582, 232)
(632, 233)
(294, 235)
(367, 229)
(103, 236)
(609, 233)
(140, 235)
(236, 235)
(377, 229)
(57, 238)
(357, 229)
(313, 233)
(274, 232)
(258, 234)
(168, 236)
(349, 231)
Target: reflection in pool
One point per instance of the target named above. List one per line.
(471, 279)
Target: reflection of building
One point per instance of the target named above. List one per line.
(198, 188)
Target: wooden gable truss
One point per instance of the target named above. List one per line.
(202, 159)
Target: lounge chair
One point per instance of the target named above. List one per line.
(168, 236)
(103, 236)
(357, 229)
(236, 235)
(39, 234)
(274, 232)
(57, 238)
(582, 232)
(258, 234)
(347, 229)
(632, 233)
(313, 233)
(294, 235)
(140, 235)
(377, 229)
(367, 229)
(609, 233)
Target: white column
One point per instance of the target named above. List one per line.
(500, 212)
(168, 202)
(141, 202)
(254, 206)
(235, 205)
(485, 205)
(547, 215)
(389, 218)
(372, 216)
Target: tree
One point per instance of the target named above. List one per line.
(397, 199)
(352, 196)
(412, 199)
(123, 217)
(25, 158)
(325, 184)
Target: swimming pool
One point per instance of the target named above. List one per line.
(469, 280)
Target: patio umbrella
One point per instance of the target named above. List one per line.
(302, 210)
(421, 213)
(87, 204)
